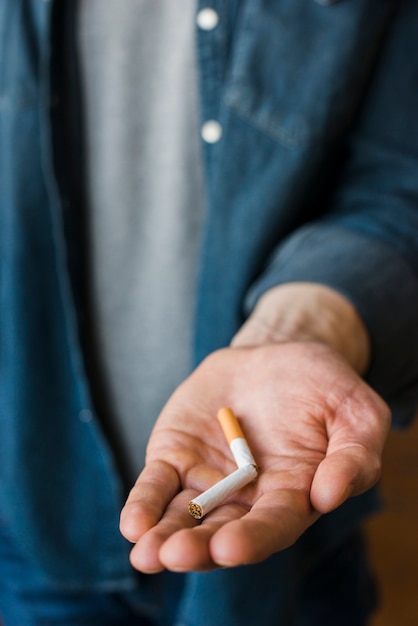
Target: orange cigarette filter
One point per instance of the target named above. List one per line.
(229, 424)
(235, 437)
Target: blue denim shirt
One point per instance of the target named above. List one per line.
(315, 178)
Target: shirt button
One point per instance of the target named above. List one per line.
(211, 131)
(207, 19)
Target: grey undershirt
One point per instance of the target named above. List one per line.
(145, 191)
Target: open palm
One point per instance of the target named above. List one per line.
(316, 431)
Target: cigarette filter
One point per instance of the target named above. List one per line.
(235, 437)
(215, 495)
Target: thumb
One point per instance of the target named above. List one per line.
(342, 474)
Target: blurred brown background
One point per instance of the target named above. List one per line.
(393, 535)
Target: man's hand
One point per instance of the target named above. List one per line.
(316, 431)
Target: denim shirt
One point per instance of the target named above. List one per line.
(315, 178)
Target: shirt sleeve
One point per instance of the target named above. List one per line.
(365, 245)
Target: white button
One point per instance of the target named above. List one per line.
(211, 131)
(207, 19)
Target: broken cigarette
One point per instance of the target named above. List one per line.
(246, 472)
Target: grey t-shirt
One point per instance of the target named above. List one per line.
(145, 195)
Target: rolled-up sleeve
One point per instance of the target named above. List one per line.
(382, 287)
(365, 245)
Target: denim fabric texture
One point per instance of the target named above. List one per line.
(288, 589)
(314, 178)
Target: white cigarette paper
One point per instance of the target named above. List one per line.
(241, 452)
(220, 491)
(235, 437)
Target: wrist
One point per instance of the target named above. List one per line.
(308, 312)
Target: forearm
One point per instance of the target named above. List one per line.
(303, 311)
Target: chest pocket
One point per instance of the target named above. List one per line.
(298, 67)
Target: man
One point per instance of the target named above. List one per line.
(306, 305)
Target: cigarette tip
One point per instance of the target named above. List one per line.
(195, 510)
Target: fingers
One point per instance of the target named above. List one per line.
(343, 474)
(148, 499)
(274, 523)
(179, 542)
(354, 459)
(230, 536)
(145, 556)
